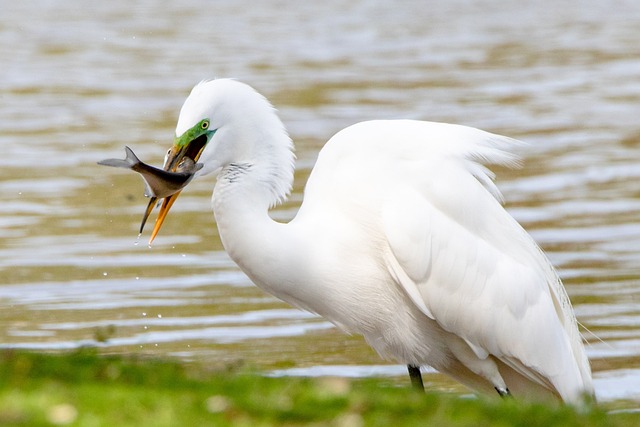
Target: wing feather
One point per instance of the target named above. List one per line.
(460, 257)
(480, 275)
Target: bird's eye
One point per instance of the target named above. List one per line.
(205, 124)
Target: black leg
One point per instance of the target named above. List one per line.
(416, 377)
(504, 392)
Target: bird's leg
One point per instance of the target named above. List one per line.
(504, 392)
(416, 377)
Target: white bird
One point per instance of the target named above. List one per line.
(401, 238)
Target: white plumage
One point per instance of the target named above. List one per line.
(401, 237)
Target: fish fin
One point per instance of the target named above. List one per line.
(131, 157)
(148, 192)
(128, 163)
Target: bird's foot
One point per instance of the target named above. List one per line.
(504, 392)
(416, 377)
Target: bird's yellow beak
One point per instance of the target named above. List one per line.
(190, 144)
(172, 160)
(164, 210)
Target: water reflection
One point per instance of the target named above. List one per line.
(78, 86)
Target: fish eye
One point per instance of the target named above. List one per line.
(205, 125)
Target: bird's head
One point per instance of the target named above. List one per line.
(212, 130)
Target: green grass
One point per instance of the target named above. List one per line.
(86, 389)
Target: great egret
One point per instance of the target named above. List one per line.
(401, 238)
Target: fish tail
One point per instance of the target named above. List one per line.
(129, 162)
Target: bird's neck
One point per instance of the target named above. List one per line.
(244, 193)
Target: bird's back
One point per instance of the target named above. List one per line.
(423, 189)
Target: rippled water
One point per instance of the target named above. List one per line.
(78, 82)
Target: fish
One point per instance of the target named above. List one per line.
(159, 183)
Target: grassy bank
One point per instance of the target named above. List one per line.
(86, 389)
